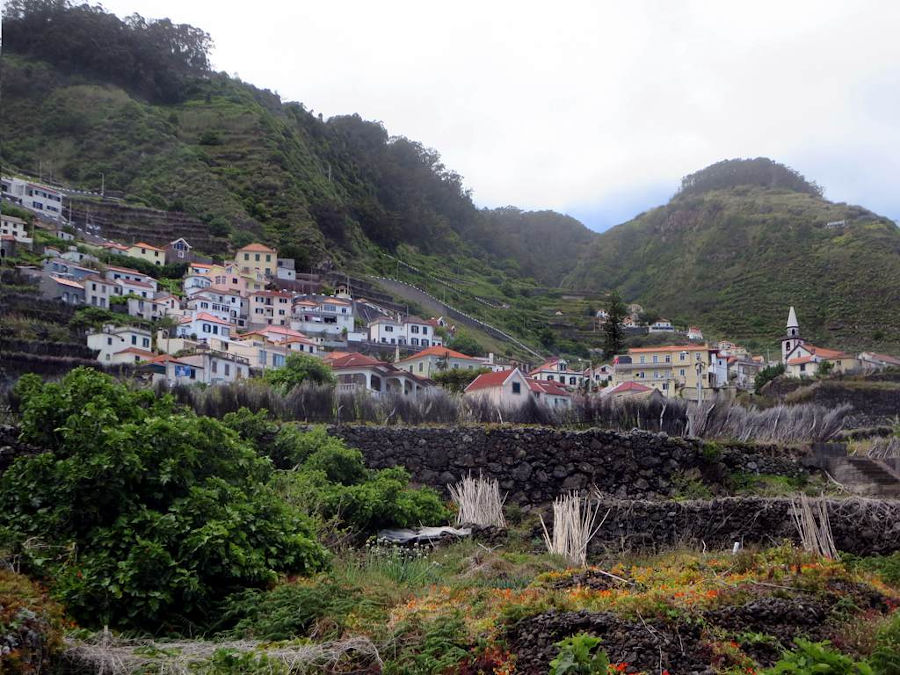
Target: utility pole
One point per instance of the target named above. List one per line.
(102, 184)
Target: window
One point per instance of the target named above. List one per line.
(268, 258)
(246, 256)
(681, 372)
(665, 386)
(668, 358)
(424, 343)
(413, 329)
(145, 342)
(257, 257)
(549, 378)
(134, 339)
(388, 329)
(227, 370)
(420, 366)
(215, 366)
(424, 330)
(572, 381)
(655, 359)
(109, 340)
(517, 387)
(414, 341)
(642, 359)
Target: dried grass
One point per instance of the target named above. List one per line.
(478, 502)
(574, 525)
(811, 520)
(107, 655)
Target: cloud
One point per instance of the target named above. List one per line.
(569, 106)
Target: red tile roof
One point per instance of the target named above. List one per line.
(628, 386)
(203, 316)
(440, 352)
(128, 270)
(146, 355)
(143, 244)
(543, 387)
(489, 380)
(824, 353)
(257, 247)
(354, 360)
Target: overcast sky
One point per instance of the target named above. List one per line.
(592, 108)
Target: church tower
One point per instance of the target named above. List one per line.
(792, 336)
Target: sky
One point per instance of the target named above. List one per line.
(595, 108)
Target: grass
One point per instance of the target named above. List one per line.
(467, 601)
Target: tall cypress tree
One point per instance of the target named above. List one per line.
(614, 331)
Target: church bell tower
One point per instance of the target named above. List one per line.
(792, 336)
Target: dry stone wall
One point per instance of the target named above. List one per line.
(534, 465)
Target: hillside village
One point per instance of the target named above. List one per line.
(229, 319)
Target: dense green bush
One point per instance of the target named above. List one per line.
(154, 513)
(818, 657)
(297, 369)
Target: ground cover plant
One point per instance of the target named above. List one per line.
(470, 608)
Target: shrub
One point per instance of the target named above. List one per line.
(886, 656)
(30, 626)
(382, 499)
(437, 646)
(579, 655)
(163, 512)
(297, 369)
(818, 657)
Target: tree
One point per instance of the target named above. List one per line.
(168, 512)
(465, 343)
(766, 375)
(613, 330)
(457, 379)
(299, 368)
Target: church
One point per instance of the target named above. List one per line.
(803, 359)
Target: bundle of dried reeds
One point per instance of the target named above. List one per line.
(811, 519)
(478, 501)
(574, 525)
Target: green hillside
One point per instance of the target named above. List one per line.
(734, 258)
(741, 241)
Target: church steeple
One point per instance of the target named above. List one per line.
(792, 321)
(792, 335)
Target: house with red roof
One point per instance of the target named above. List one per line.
(556, 369)
(803, 359)
(148, 252)
(432, 360)
(357, 372)
(629, 390)
(257, 260)
(871, 361)
(511, 389)
(203, 326)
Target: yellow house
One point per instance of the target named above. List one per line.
(145, 251)
(673, 370)
(257, 259)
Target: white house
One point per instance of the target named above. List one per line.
(873, 361)
(160, 305)
(410, 331)
(15, 227)
(194, 283)
(171, 370)
(285, 269)
(98, 291)
(322, 314)
(203, 326)
(557, 370)
(695, 334)
(510, 389)
(358, 372)
(216, 367)
(116, 273)
(662, 326)
(202, 302)
(42, 199)
(112, 341)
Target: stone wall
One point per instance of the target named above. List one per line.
(534, 465)
(859, 526)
